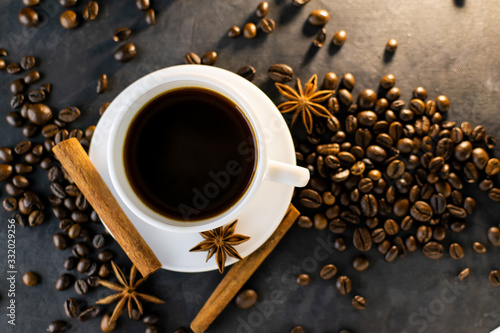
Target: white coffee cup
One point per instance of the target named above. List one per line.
(227, 84)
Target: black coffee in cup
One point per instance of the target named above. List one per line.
(190, 154)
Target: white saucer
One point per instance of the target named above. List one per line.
(258, 220)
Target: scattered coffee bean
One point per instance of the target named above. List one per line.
(328, 272)
(102, 85)
(121, 34)
(90, 312)
(63, 282)
(90, 11)
(319, 17)
(125, 53)
(142, 4)
(359, 302)
(391, 45)
(267, 25)
(303, 279)
(58, 326)
(233, 32)
(250, 30)
(106, 324)
(478, 247)
(280, 73)
(494, 278)
(248, 72)
(343, 285)
(244, 300)
(298, 329)
(360, 263)
(60, 241)
(456, 251)
(150, 17)
(72, 307)
(339, 38)
(463, 274)
(69, 19)
(81, 288)
(320, 38)
(433, 250)
(30, 279)
(28, 17)
(192, 58)
(209, 58)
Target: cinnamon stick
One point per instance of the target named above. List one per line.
(78, 165)
(239, 274)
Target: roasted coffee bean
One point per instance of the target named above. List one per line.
(58, 190)
(5, 171)
(60, 241)
(344, 285)
(98, 241)
(320, 38)
(456, 251)
(83, 265)
(369, 205)
(9, 204)
(378, 235)
(339, 38)
(494, 236)
(411, 243)
(249, 30)
(463, 151)
(70, 263)
(304, 222)
(319, 17)
(107, 325)
(209, 58)
(360, 263)
(310, 199)
(485, 185)
(30, 279)
(13, 68)
(376, 153)
(244, 300)
(17, 101)
(17, 86)
(14, 119)
(6, 154)
(81, 288)
(456, 211)
(345, 97)
(494, 194)
(70, 113)
(492, 167)
(39, 114)
(424, 233)
(433, 250)
(280, 73)
(262, 9)
(463, 274)
(328, 272)
(303, 279)
(81, 249)
(36, 218)
(36, 96)
(102, 86)
(233, 32)
(362, 239)
(478, 247)
(421, 211)
(69, 19)
(72, 307)
(74, 231)
(125, 53)
(359, 302)
(494, 278)
(339, 244)
(105, 256)
(91, 311)
(90, 11)
(121, 34)
(267, 25)
(50, 130)
(63, 282)
(28, 17)
(142, 4)
(13, 190)
(391, 45)
(248, 72)
(337, 226)
(58, 326)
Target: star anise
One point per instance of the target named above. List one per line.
(126, 292)
(305, 101)
(221, 241)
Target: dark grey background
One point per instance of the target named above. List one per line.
(449, 47)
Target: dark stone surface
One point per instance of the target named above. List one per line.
(449, 47)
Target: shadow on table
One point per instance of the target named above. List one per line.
(459, 3)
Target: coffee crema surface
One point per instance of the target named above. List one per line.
(190, 154)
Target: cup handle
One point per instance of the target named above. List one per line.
(287, 174)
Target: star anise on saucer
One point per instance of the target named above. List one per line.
(221, 242)
(305, 101)
(127, 293)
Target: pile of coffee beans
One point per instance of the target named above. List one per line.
(390, 174)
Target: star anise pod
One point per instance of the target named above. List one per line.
(221, 241)
(305, 101)
(126, 292)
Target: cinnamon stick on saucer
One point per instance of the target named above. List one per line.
(239, 274)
